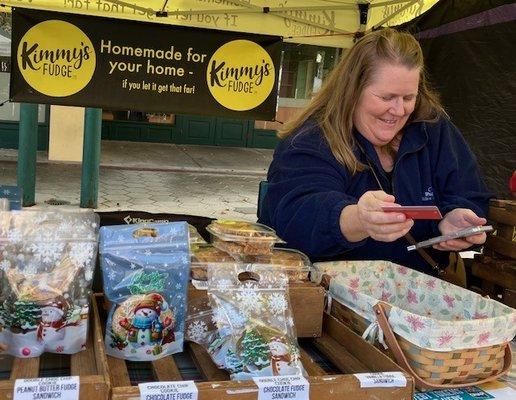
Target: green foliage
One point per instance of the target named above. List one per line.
(24, 315)
(146, 283)
(233, 362)
(255, 351)
(118, 341)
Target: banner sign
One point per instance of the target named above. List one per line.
(75, 60)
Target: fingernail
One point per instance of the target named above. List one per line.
(401, 217)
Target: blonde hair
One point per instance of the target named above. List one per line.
(333, 106)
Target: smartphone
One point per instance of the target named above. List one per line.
(416, 212)
(473, 230)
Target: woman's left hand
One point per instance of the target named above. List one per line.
(455, 220)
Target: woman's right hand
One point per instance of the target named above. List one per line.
(366, 219)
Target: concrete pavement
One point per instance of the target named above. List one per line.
(218, 182)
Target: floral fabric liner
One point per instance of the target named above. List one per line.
(426, 311)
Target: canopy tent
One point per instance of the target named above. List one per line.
(320, 22)
(469, 51)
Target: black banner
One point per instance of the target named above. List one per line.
(76, 60)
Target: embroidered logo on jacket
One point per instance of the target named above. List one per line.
(429, 194)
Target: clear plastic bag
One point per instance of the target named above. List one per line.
(256, 329)
(47, 261)
(201, 328)
(145, 270)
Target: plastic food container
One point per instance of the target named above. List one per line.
(195, 236)
(204, 254)
(242, 238)
(292, 262)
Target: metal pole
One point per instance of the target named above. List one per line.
(27, 151)
(91, 157)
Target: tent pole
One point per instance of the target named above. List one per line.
(91, 157)
(27, 152)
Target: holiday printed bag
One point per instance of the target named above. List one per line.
(201, 328)
(256, 334)
(47, 261)
(145, 270)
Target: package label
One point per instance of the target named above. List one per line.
(293, 387)
(200, 285)
(180, 390)
(62, 388)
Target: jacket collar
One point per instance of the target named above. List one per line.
(414, 138)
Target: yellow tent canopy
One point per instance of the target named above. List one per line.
(319, 22)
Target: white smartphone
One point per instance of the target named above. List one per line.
(455, 235)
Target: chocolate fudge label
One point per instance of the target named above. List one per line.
(180, 390)
(382, 379)
(293, 387)
(62, 388)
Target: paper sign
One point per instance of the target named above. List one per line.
(416, 212)
(200, 285)
(62, 388)
(382, 379)
(467, 393)
(291, 387)
(180, 390)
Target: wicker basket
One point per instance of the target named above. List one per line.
(437, 369)
(431, 369)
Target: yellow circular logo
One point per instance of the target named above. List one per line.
(240, 75)
(56, 58)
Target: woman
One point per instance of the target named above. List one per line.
(375, 135)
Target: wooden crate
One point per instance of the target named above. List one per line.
(90, 365)
(346, 350)
(496, 268)
(307, 302)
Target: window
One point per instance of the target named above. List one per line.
(304, 68)
(138, 116)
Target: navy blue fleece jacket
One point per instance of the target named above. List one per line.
(308, 189)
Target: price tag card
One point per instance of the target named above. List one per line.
(291, 387)
(382, 379)
(178, 390)
(416, 212)
(62, 388)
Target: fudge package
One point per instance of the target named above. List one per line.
(255, 333)
(145, 270)
(47, 261)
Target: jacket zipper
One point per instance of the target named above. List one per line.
(396, 164)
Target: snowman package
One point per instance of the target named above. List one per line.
(255, 333)
(145, 268)
(47, 261)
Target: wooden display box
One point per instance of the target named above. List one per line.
(90, 365)
(346, 350)
(306, 299)
(307, 302)
(496, 267)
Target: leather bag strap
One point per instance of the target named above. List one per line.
(427, 257)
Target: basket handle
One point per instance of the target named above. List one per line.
(391, 340)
